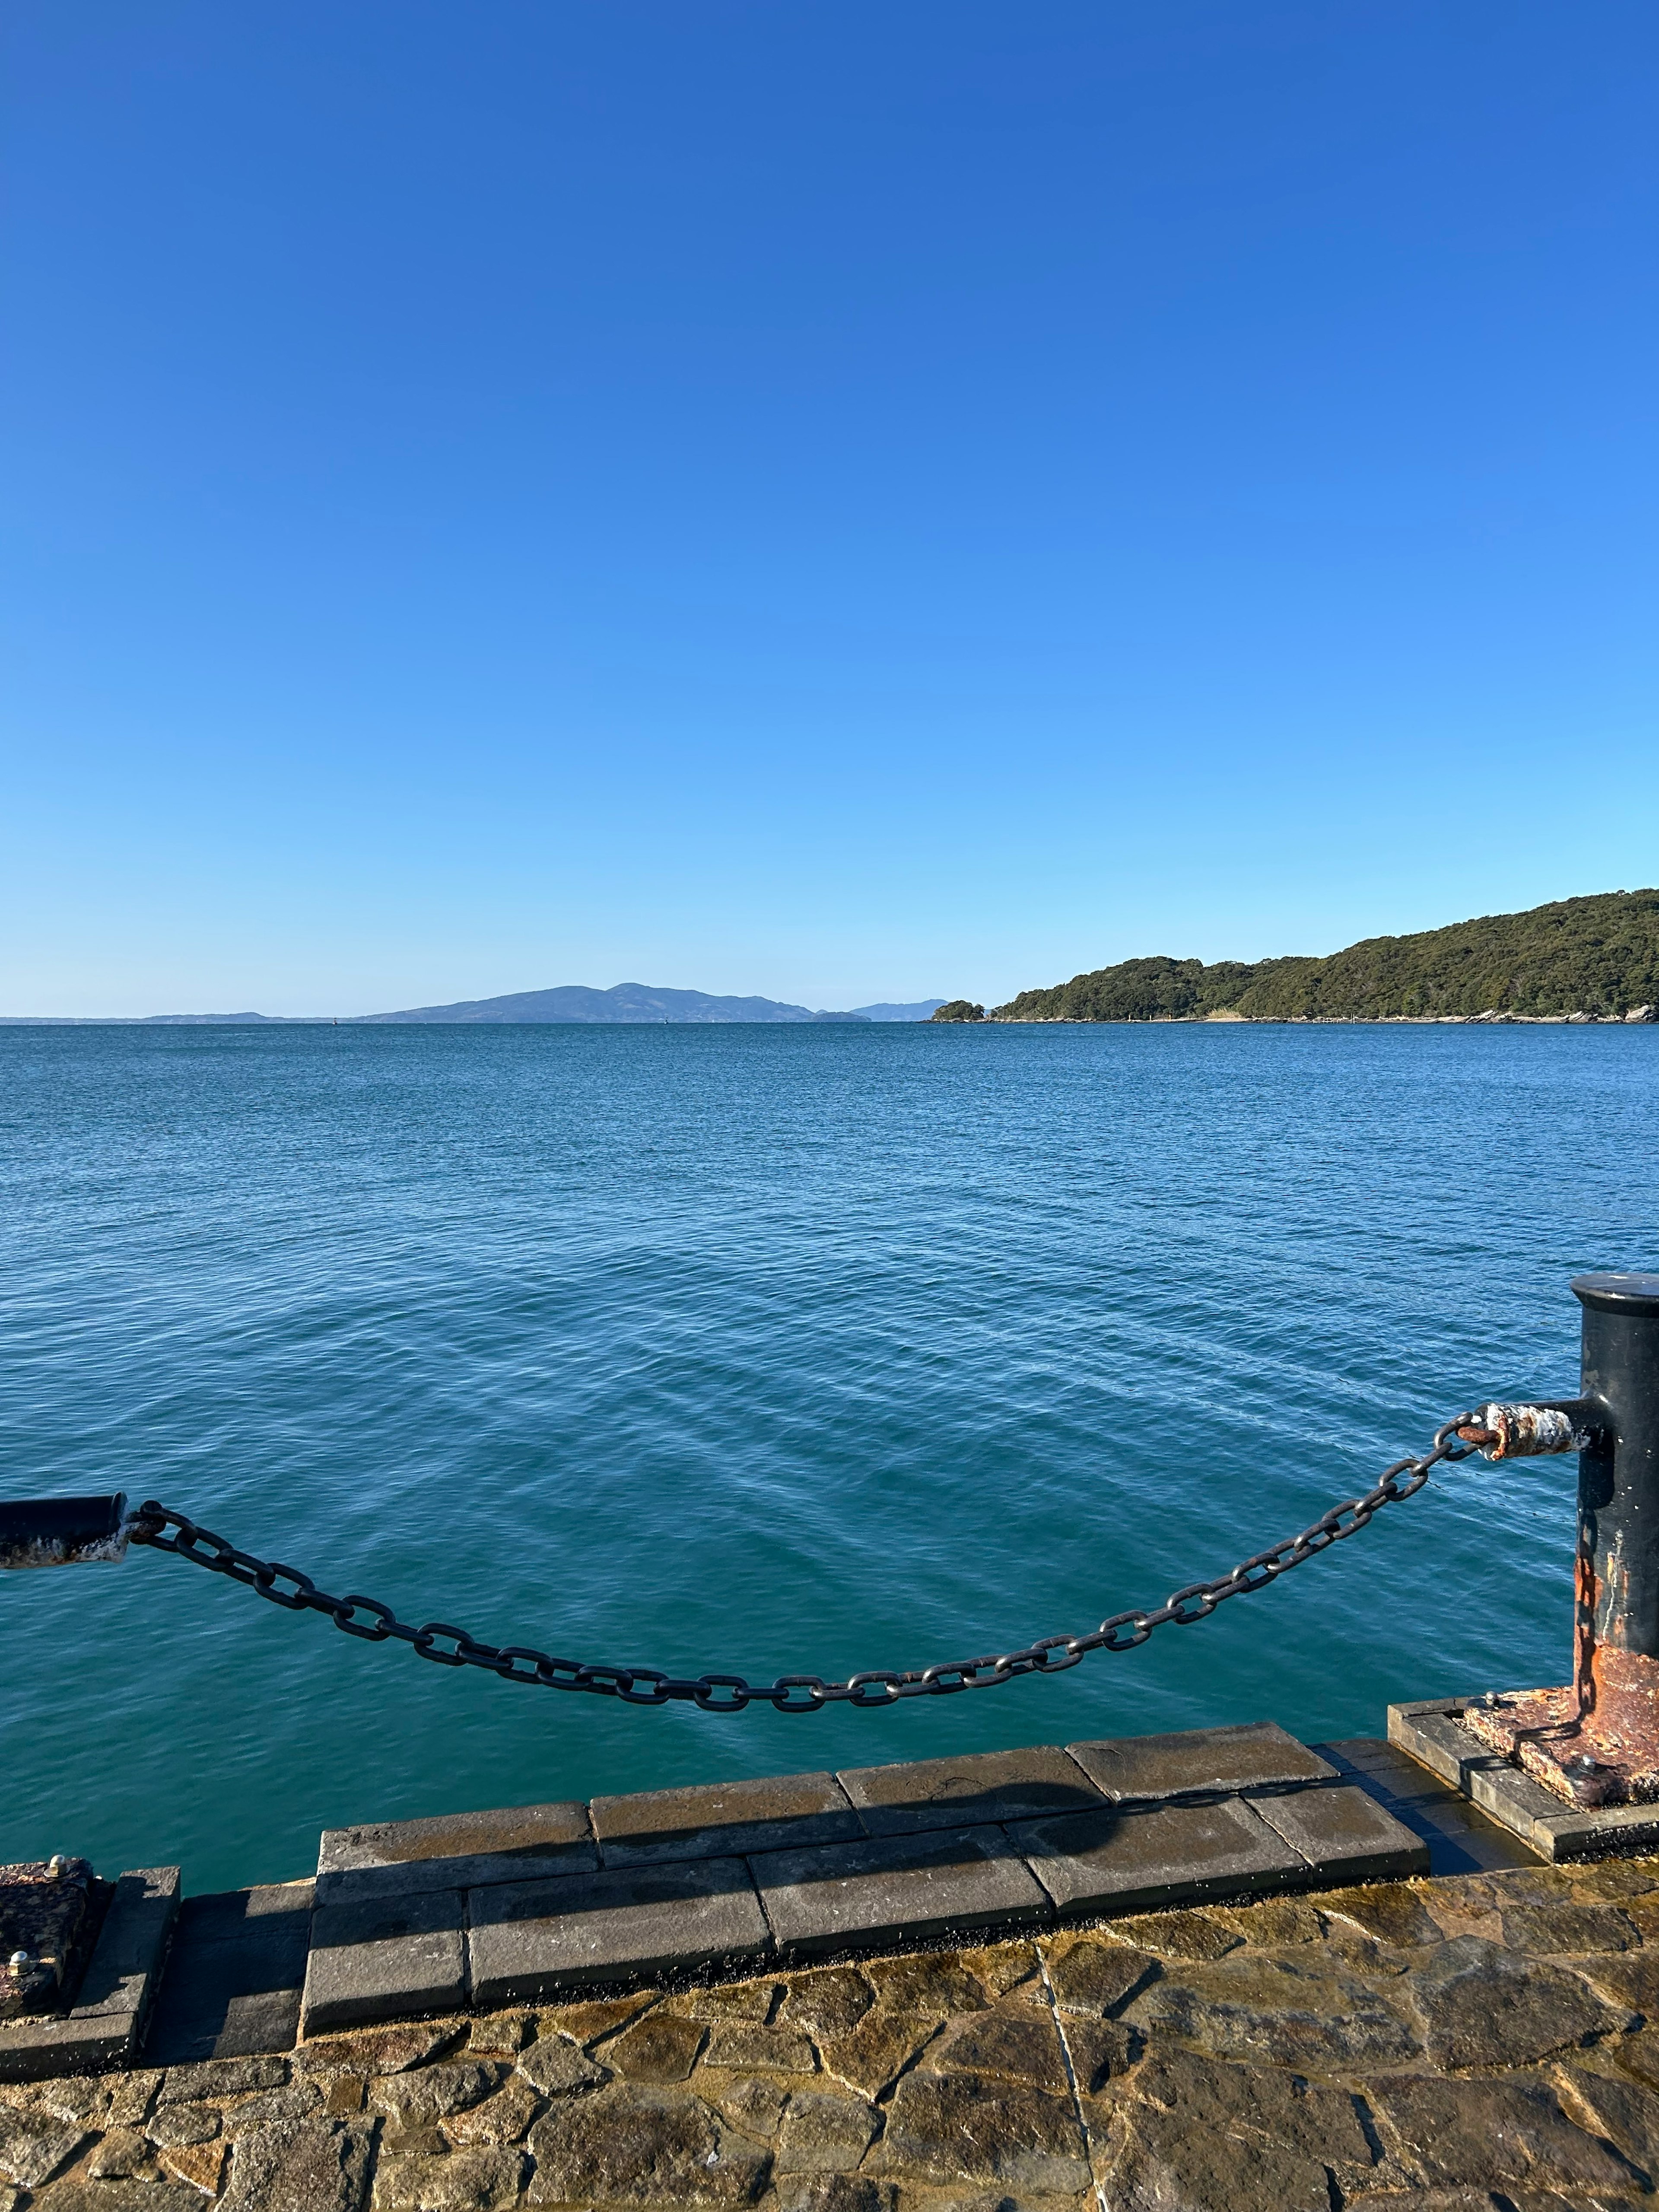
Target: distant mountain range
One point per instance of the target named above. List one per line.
(570, 1002)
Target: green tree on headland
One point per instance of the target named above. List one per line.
(957, 1010)
(1591, 956)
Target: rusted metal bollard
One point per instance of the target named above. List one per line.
(1595, 1741)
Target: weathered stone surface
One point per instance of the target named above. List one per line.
(380, 2050)
(852, 2192)
(998, 1967)
(295, 2102)
(432, 2092)
(1101, 2050)
(924, 1981)
(590, 2022)
(531, 1940)
(753, 2103)
(220, 2077)
(1543, 1930)
(201, 2164)
(721, 1819)
(1277, 2009)
(897, 1889)
(465, 2181)
(947, 2129)
(1023, 2047)
(827, 1999)
(1152, 1767)
(455, 1851)
(122, 2153)
(371, 1961)
(503, 2118)
(641, 2146)
(1480, 2006)
(970, 1791)
(1452, 2134)
(1206, 2137)
(1392, 1913)
(300, 2166)
(752, 2045)
(183, 2123)
(1103, 1862)
(556, 2066)
(1345, 1834)
(1099, 1978)
(1629, 1979)
(878, 2049)
(1181, 1934)
(118, 2196)
(1274, 1920)
(1623, 2111)
(750, 2000)
(501, 2034)
(660, 2048)
(824, 2133)
(33, 2145)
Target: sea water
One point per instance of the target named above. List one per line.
(760, 1350)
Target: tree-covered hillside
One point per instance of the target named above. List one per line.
(1592, 956)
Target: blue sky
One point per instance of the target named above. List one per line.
(839, 501)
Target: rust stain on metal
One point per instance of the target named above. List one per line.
(1501, 1431)
(49, 1912)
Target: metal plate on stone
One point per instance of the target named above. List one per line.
(716, 1819)
(957, 1793)
(1145, 1769)
(48, 1910)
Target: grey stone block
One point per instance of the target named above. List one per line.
(967, 1792)
(1258, 1754)
(384, 1958)
(1125, 1861)
(895, 1889)
(233, 1976)
(1345, 1835)
(458, 1850)
(107, 2022)
(529, 1940)
(720, 1819)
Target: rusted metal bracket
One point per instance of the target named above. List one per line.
(1596, 1740)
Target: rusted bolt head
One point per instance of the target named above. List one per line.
(1585, 1763)
(57, 1864)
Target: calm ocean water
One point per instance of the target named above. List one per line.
(761, 1349)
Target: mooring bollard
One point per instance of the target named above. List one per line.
(1597, 1739)
(60, 1532)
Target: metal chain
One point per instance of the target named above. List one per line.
(448, 1646)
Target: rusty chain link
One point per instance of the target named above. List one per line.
(448, 1646)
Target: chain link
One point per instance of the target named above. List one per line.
(446, 1645)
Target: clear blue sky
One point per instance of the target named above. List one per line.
(840, 500)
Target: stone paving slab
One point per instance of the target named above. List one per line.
(1126, 1860)
(454, 1851)
(720, 1818)
(235, 1975)
(1429, 1731)
(1459, 1838)
(1344, 1833)
(107, 2022)
(967, 1792)
(895, 1890)
(384, 1958)
(529, 1940)
(1477, 2043)
(1256, 1755)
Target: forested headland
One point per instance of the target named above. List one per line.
(1597, 956)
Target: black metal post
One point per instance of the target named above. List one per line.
(1618, 1474)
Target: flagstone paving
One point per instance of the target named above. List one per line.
(1487, 2039)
